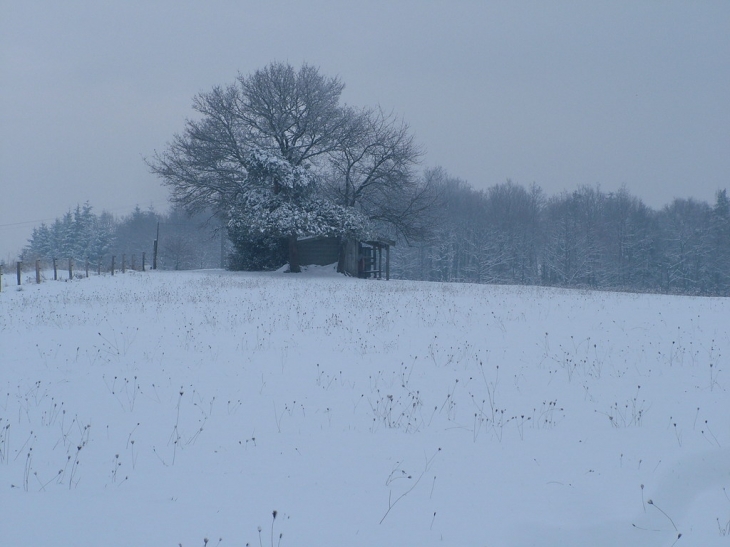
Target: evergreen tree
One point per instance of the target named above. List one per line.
(279, 201)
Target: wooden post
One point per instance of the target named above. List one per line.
(124, 263)
(37, 272)
(87, 266)
(154, 249)
(20, 265)
(143, 261)
(98, 265)
(387, 262)
(380, 261)
(133, 264)
(113, 257)
(55, 271)
(223, 245)
(70, 269)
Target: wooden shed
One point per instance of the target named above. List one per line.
(364, 259)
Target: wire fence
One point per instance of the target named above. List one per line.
(68, 269)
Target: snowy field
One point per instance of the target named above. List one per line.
(161, 408)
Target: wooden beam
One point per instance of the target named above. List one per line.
(387, 262)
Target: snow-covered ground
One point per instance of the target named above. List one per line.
(161, 408)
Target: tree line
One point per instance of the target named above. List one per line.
(588, 238)
(185, 241)
(275, 156)
(507, 234)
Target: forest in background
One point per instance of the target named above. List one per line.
(506, 234)
(510, 234)
(185, 242)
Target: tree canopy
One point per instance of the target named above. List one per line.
(277, 156)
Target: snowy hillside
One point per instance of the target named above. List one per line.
(161, 408)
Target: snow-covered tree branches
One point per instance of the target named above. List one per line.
(275, 153)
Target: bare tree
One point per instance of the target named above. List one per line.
(512, 218)
(282, 119)
(292, 114)
(291, 123)
(686, 245)
(627, 242)
(720, 242)
(296, 114)
(373, 170)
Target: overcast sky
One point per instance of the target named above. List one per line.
(557, 93)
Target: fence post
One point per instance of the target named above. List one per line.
(154, 250)
(87, 266)
(142, 260)
(20, 264)
(124, 263)
(70, 269)
(113, 257)
(37, 272)
(55, 271)
(98, 265)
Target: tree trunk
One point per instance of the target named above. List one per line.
(293, 255)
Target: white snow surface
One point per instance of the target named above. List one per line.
(171, 408)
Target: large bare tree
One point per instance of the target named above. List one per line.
(373, 168)
(291, 121)
(277, 110)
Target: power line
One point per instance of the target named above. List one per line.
(26, 222)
